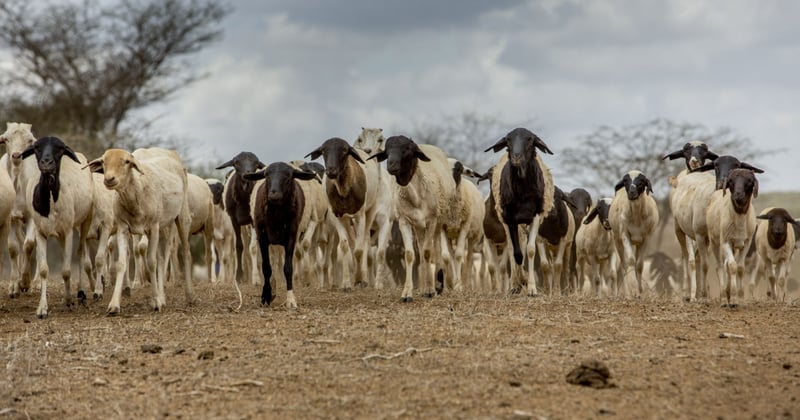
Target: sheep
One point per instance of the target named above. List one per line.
(633, 215)
(201, 210)
(579, 201)
(371, 140)
(279, 209)
(237, 200)
(594, 247)
(102, 228)
(224, 248)
(554, 241)
(775, 242)
(467, 229)
(689, 199)
(16, 138)
(151, 199)
(351, 185)
(523, 193)
(424, 195)
(495, 244)
(731, 224)
(61, 200)
(7, 198)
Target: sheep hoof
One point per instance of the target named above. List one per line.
(81, 296)
(347, 289)
(687, 299)
(112, 311)
(515, 290)
(97, 296)
(408, 299)
(13, 295)
(126, 292)
(24, 289)
(429, 295)
(42, 315)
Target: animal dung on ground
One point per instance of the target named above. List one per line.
(591, 373)
(151, 348)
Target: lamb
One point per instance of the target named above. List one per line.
(554, 241)
(279, 210)
(424, 197)
(61, 200)
(731, 224)
(152, 187)
(523, 193)
(467, 229)
(775, 244)
(633, 215)
(237, 200)
(224, 249)
(351, 185)
(594, 247)
(16, 138)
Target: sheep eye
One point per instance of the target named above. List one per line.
(380, 140)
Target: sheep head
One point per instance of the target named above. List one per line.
(743, 185)
(279, 178)
(694, 152)
(635, 184)
(17, 137)
(370, 140)
(243, 163)
(335, 152)
(402, 157)
(521, 144)
(116, 165)
(723, 166)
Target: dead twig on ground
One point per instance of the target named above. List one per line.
(408, 352)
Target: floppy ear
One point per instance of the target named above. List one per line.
(421, 156)
(500, 145)
(303, 175)
(27, 152)
(745, 165)
(763, 217)
(485, 176)
(225, 165)
(592, 214)
(255, 176)
(704, 168)
(755, 189)
(541, 146)
(71, 154)
(260, 165)
(315, 154)
(352, 152)
(712, 156)
(95, 165)
(673, 155)
(619, 185)
(380, 156)
(648, 186)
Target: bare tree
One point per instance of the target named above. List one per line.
(81, 68)
(464, 136)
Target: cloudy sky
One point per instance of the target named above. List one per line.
(290, 74)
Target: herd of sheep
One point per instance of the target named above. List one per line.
(331, 224)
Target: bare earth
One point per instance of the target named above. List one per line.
(365, 354)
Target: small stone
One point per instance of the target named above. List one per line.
(205, 355)
(99, 382)
(151, 348)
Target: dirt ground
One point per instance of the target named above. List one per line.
(364, 354)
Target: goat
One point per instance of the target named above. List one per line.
(523, 193)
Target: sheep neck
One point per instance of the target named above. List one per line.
(777, 240)
(347, 194)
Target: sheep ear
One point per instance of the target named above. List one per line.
(71, 154)
(380, 156)
(619, 185)
(303, 175)
(745, 165)
(541, 145)
(135, 165)
(673, 155)
(704, 168)
(95, 165)
(27, 152)
(315, 154)
(352, 152)
(500, 145)
(255, 176)
(712, 156)
(763, 217)
(225, 165)
(648, 186)
(592, 214)
(755, 189)
(421, 156)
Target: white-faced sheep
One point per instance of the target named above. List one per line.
(16, 138)
(523, 193)
(731, 224)
(775, 244)
(594, 248)
(633, 216)
(279, 210)
(151, 187)
(351, 185)
(424, 197)
(61, 201)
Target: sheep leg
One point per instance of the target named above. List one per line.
(183, 225)
(408, 258)
(782, 273)
(101, 263)
(66, 265)
(345, 256)
(547, 269)
(266, 269)
(533, 233)
(690, 267)
(729, 271)
(252, 256)
(772, 277)
(86, 262)
(153, 269)
(288, 272)
(360, 248)
(310, 268)
(427, 265)
(14, 257)
(381, 268)
(122, 270)
(42, 272)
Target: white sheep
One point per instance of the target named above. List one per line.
(775, 245)
(102, 228)
(61, 201)
(224, 248)
(466, 230)
(424, 198)
(633, 215)
(594, 248)
(151, 186)
(16, 138)
(731, 224)
(7, 198)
